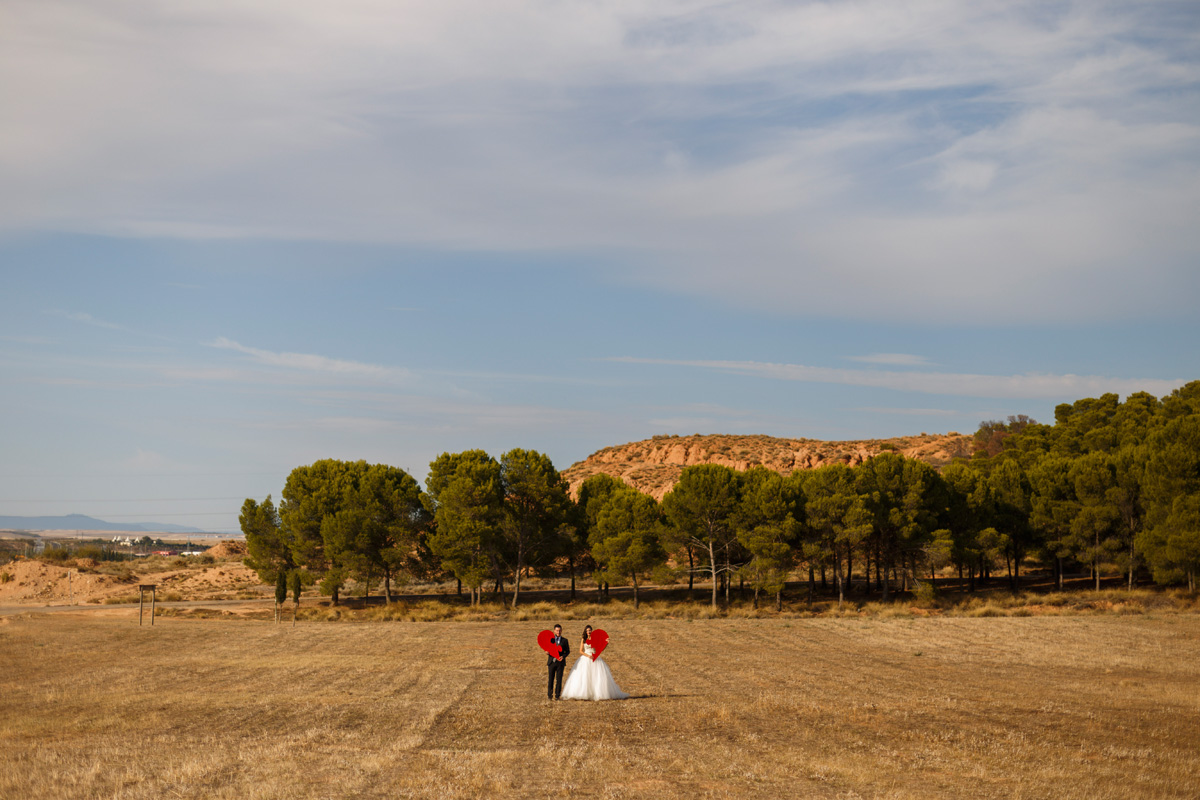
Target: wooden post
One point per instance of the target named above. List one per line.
(142, 600)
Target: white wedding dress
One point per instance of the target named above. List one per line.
(591, 679)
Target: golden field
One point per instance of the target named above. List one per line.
(1103, 706)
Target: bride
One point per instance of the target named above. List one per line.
(590, 678)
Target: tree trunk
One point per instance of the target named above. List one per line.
(779, 600)
(387, 586)
(841, 587)
(635, 590)
(812, 583)
(459, 582)
(517, 583)
(824, 585)
(691, 571)
(1132, 564)
(712, 562)
(571, 564)
(728, 579)
(334, 596)
(754, 600)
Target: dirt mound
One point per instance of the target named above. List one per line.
(653, 465)
(38, 582)
(228, 548)
(215, 581)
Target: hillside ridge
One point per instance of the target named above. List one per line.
(653, 465)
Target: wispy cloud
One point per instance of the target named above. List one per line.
(1031, 385)
(894, 360)
(914, 412)
(866, 159)
(87, 319)
(308, 362)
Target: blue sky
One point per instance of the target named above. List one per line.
(241, 236)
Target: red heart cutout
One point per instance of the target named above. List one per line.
(598, 640)
(546, 642)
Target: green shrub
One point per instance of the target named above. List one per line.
(56, 555)
(925, 594)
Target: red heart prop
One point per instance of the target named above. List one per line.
(546, 642)
(598, 640)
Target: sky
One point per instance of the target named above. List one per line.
(237, 237)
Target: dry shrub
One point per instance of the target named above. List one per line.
(988, 609)
(540, 610)
(887, 611)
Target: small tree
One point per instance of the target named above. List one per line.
(535, 506)
(630, 530)
(838, 517)
(295, 582)
(768, 529)
(465, 496)
(280, 594)
(702, 509)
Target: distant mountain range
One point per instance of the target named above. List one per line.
(72, 522)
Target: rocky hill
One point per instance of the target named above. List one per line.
(653, 465)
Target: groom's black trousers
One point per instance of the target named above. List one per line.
(554, 682)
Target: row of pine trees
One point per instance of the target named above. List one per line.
(1109, 485)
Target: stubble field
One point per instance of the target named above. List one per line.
(92, 706)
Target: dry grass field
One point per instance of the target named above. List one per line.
(93, 706)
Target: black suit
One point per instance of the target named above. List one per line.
(556, 667)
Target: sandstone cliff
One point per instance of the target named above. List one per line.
(653, 465)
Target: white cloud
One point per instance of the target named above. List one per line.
(1030, 385)
(955, 161)
(307, 362)
(88, 319)
(893, 359)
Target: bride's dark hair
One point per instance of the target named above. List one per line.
(586, 635)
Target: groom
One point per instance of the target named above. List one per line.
(556, 665)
